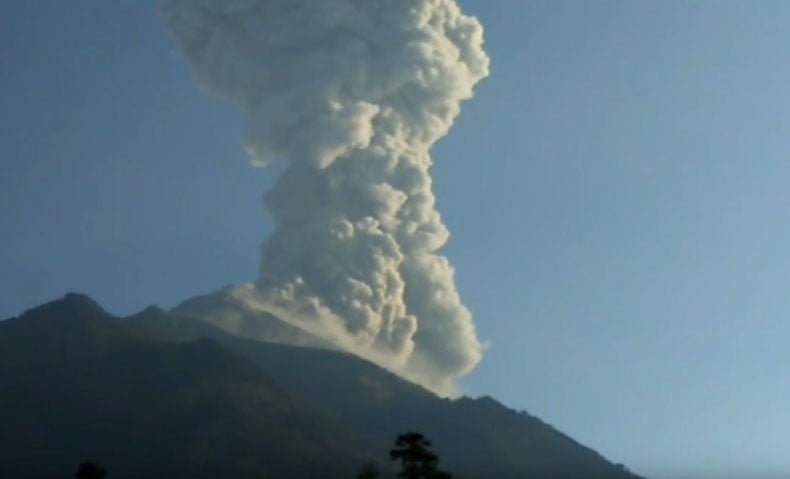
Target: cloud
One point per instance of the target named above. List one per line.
(351, 95)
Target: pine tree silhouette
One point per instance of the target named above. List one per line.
(417, 461)
(369, 471)
(89, 470)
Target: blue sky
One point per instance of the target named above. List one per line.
(616, 194)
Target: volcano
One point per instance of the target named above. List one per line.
(163, 394)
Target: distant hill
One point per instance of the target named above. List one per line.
(164, 395)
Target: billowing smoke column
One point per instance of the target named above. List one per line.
(351, 94)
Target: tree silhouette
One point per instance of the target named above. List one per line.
(369, 471)
(417, 461)
(89, 470)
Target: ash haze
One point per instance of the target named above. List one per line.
(351, 94)
(616, 191)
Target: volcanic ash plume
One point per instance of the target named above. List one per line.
(350, 94)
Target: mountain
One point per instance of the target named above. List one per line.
(160, 394)
(78, 384)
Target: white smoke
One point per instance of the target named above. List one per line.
(351, 94)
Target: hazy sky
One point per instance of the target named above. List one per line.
(616, 194)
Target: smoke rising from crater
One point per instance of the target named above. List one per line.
(350, 94)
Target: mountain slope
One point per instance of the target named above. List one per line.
(471, 435)
(225, 311)
(77, 384)
(162, 395)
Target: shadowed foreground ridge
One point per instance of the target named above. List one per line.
(172, 396)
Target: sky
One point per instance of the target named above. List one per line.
(616, 193)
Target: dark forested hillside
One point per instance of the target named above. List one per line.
(77, 385)
(162, 395)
